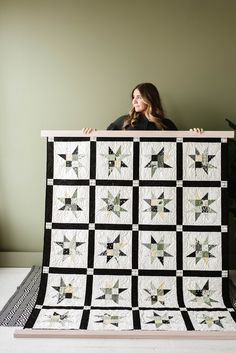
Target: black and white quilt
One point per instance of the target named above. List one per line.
(135, 235)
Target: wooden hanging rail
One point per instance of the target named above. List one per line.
(143, 133)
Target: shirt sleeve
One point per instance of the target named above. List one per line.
(117, 124)
(112, 126)
(170, 125)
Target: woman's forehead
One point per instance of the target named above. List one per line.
(136, 92)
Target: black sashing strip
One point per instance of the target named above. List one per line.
(134, 291)
(33, 317)
(179, 290)
(179, 205)
(69, 225)
(206, 228)
(207, 309)
(50, 159)
(84, 320)
(203, 184)
(165, 308)
(112, 272)
(93, 153)
(187, 321)
(136, 161)
(75, 307)
(179, 161)
(157, 273)
(123, 139)
(157, 139)
(111, 307)
(70, 182)
(47, 247)
(113, 226)
(157, 183)
(91, 249)
(201, 273)
(136, 320)
(201, 139)
(71, 139)
(92, 204)
(135, 209)
(179, 250)
(111, 182)
(225, 251)
(68, 270)
(42, 289)
(89, 290)
(156, 227)
(134, 250)
(224, 161)
(48, 205)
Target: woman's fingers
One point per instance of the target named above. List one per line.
(88, 130)
(197, 129)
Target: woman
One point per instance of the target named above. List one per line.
(146, 114)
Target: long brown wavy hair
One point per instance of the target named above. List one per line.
(154, 112)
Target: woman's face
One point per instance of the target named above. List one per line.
(138, 103)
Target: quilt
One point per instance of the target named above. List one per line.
(136, 235)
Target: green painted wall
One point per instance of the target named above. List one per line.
(69, 64)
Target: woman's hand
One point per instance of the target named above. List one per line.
(88, 130)
(197, 129)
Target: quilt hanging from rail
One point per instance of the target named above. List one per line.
(135, 235)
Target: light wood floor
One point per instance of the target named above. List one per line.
(10, 278)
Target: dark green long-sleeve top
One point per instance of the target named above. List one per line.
(142, 124)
